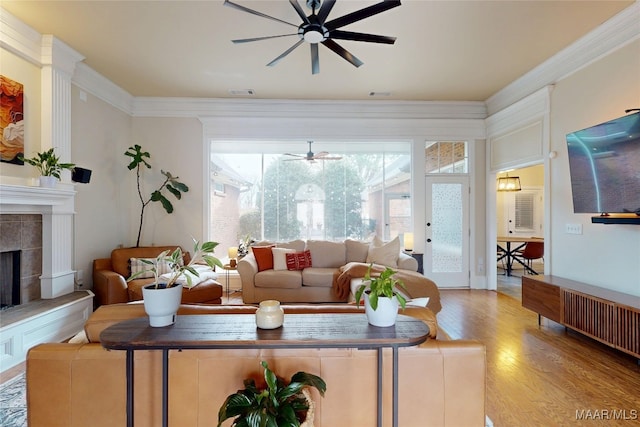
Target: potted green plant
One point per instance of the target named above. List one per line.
(162, 297)
(49, 166)
(277, 405)
(170, 183)
(381, 299)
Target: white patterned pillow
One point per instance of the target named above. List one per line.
(137, 265)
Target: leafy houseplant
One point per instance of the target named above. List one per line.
(47, 163)
(162, 300)
(170, 183)
(174, 259)
(381, 298)
(277, 405)
(381, 286)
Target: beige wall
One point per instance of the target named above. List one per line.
(603, 255)
(99, 136)
(175, 145)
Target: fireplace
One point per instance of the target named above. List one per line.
(37, 223)
(9, 279)
(21, 258)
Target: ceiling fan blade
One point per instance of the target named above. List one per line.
(362, 14)
(285, 53)
(342, 52)
(298, 9)
(255, 12)
(325, 9)
(361, 37)
(295, 155)
(255, 39)
(315, 59)
(322, 154)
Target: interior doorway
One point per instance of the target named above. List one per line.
(520, 214)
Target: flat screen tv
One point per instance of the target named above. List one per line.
(604, 164)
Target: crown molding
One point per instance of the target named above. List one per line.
(528, 110)
(86, 78)
(19, 38)
(194, 107)
(613, 34)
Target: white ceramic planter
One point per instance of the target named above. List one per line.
(161, 305)
(386, 313)
(48, 181)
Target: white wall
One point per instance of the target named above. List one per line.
(604, 255)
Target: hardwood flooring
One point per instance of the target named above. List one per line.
(542, 375)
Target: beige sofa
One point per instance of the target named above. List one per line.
(441, 382)
(314, 284)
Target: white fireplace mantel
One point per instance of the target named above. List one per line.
(57, 208)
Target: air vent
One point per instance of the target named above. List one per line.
(242, 92)
(379, 94)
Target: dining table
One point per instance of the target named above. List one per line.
(508, 249)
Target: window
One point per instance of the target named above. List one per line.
(446, 157)
(269, 195)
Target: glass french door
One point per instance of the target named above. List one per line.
(446, 255)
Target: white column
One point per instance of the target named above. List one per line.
(58, 64)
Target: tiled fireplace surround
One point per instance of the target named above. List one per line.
(40, 222)
(23, 232)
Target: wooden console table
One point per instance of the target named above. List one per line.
(610, 317)
(237, 331)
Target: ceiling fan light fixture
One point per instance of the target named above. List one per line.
(313, 36)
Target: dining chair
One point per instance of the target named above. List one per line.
(532, 251)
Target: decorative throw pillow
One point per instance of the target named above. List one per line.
(264, 257)
(384, 253)
(137, 265)
(279, 259)
(298, 260)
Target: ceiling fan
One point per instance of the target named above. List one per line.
(315, 29)
(311, 157)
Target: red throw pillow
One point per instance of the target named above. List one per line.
(298, 260)
(264, 257)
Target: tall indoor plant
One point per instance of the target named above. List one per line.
(49, 166)
(170, 183)
(162, 297)
(276, 405)
(381, 297)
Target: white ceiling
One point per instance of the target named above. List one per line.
(445, 50)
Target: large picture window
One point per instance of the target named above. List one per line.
(271, 195)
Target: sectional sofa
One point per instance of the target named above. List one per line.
(310, 277)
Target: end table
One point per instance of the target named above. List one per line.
(228, 268)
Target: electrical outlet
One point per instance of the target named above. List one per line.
(573, 228)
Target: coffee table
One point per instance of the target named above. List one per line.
(237, 331)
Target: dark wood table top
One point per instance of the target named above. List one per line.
(314, 330)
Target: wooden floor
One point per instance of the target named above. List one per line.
(542, 375)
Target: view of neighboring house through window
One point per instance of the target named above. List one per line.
(259, 191)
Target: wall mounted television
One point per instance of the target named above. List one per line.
(604, 164)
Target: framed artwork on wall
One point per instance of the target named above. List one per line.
(11, 120)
